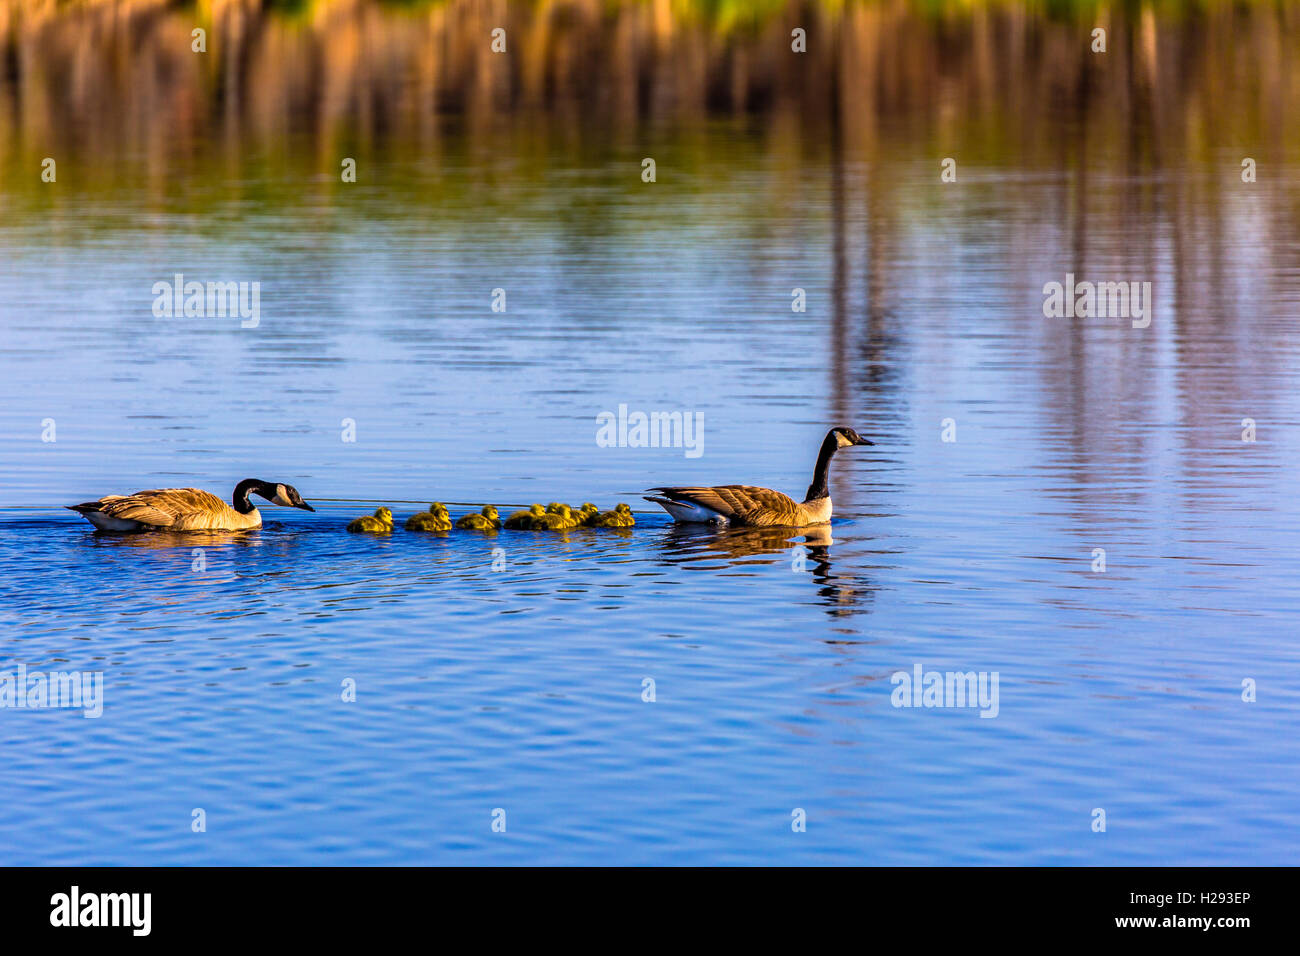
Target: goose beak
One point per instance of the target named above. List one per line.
(863, 441)
(304, 506)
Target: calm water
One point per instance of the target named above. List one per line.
(521, 687)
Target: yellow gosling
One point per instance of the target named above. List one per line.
(620, 517)
(435, 519)
(379, 523)
(561, 519)
(523, 520)
(486, 520)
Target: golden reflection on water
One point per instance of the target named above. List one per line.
(998, 80)
(169, 540)
(806, 551)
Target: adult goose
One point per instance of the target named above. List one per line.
(760, 507)
(187, 509)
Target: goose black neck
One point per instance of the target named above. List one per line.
(242, 490)
(819, 487)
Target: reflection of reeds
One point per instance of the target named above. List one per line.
(107, 76)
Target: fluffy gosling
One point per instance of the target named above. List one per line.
(620, 517)
(486, 520)
(559, 519)
(435, 519)
(381, 522)
(523, 520)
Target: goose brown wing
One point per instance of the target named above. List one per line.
(162, 507)
(742, 504)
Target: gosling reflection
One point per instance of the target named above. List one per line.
(808, 550)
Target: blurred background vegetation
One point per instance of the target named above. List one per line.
(1011, 81)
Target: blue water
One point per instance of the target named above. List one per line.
(520, 687)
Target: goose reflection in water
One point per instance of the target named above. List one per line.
(171, 540)
(698, 545)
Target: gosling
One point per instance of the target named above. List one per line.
(523, 520)
(620, 517)
(486, 520)
(435, 519)
(379, 523)
(559, 519)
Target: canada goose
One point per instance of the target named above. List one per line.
(586, 514)
(747, 505)
(523, 520)
(486, 520)
(381, 522)
(435, 519)
(620, 517)
(187, 509)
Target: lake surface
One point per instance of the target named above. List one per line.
(514, 679)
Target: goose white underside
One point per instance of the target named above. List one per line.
(108, 523)
(687, 512)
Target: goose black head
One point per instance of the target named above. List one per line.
(847, 436)
(837, 438)
(286, 496)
